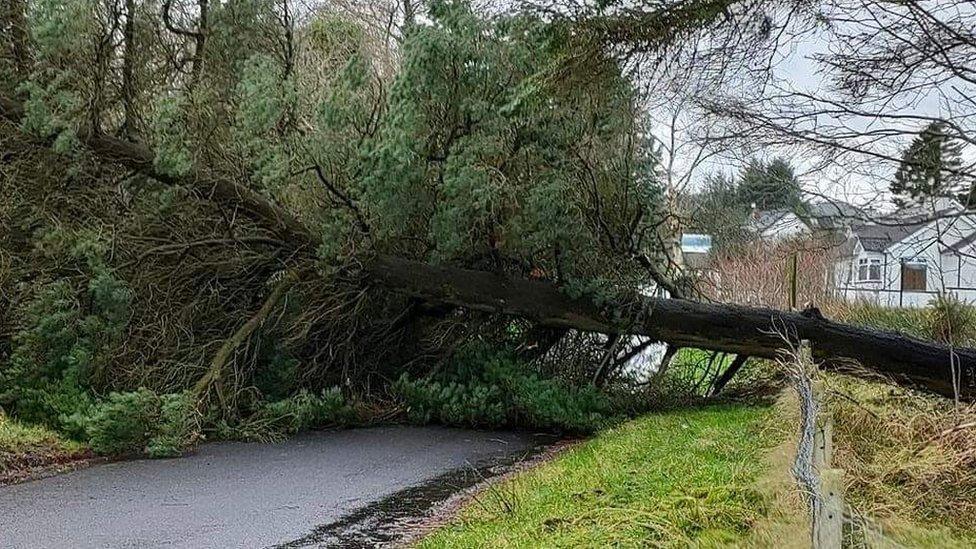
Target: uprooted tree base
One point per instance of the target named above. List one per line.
(718, 327)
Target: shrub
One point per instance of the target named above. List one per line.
(142, 421)
(485, 389)
(66, 336)
(123, 423)
(951, 321)
(305, 410)
(178, 426)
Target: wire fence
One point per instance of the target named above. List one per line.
(834, 524)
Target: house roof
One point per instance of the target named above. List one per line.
(832, 214)
(764, 219)
(876, 238)
(832, 209)
(962, 244)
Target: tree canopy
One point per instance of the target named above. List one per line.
(263, 153)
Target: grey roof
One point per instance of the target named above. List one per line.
(833, 214)
(961, 245)
(833, 209)
(875, 238)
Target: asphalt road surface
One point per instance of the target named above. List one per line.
(237, 494)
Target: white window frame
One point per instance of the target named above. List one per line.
(864, 268)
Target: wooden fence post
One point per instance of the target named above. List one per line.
(823, 446)
(793, 269)
(828, 509)
(828, 525)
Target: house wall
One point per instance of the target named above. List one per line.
(947, 271)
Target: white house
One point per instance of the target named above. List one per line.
(907, 259)
(777, 225)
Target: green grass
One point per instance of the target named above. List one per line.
(24, 446)
(669, 480)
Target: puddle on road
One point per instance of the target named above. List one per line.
(384, 522)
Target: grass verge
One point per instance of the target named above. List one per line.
(24, 449)
(675, 479)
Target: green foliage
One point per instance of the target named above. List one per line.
(142, 421)
(265, 106)
(172, 142)
(770, 185)
(66, 336)
(272, 420)
(123, 422)
(60, 27)
(50, 109)
(177, 427)
(486, 389)
(305, 410)
(486, 153)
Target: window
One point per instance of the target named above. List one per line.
(868, 269)
(913, 277)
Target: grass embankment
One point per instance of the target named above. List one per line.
(25, 448)
(670, 479)
(719, 476)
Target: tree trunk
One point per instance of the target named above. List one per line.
(736, 329)
(128, 68)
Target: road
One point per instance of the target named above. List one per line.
(242, 495)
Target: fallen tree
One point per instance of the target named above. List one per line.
(728, 328)
(736, 329)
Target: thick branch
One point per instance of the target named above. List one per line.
(227, 351)
(223, 191)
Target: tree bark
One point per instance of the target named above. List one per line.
(725, 328)
(16, 22)
(128, 72)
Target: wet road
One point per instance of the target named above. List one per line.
(236, 494)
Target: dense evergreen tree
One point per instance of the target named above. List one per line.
(771, 185)
(929, 168)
